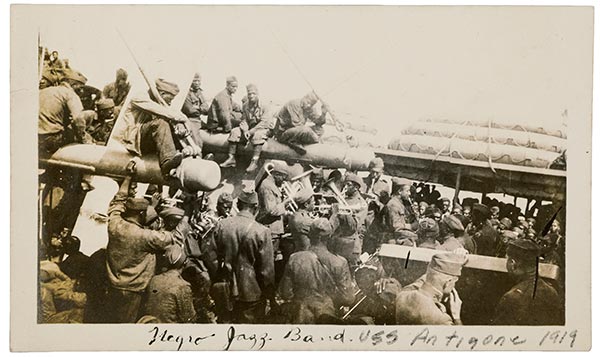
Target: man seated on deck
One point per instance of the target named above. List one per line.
(291, 128)
(149, 127)
(254, 128)
(195, 104)
(224, 113)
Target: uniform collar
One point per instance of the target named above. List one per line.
(431, 291)
(246, 214)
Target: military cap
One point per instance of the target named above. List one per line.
(279, 166)
(446, 263)
(136, 204)
(453, 223)
(231, 79)
(151, 214)
(508, 236)
(506, 222)
(445, 199)
(483, 209)
(171, 211)
(405, 234)
(311, 98)
(523, 248)
(352, 177)
(121, 73)
(428, 228)
(225, 197)
(75, 76)
(105, 104)
(399, 182)
(165, 86)
(495, 210)
(318, 172)
(321, 227)
(252, 88)
(376, 164)
(197, 76)
(175, 255)
(249, 197)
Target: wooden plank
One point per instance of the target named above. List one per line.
(481, 262)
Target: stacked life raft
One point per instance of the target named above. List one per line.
(484, 141)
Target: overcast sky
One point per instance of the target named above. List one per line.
(388, 65)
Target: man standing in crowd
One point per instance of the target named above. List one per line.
(148, 127)
(349, 227)
(195, 104)
(118, 90)
(224, 113)
(254, 128)
(532, 301)
(299, 223)
(450, 229)
(170, 297)
(397, 213)
(271, 204)
(316, 280)
(245, 255)
(446, 205)
(130, 258)
(291, 128)
(428, 234)
(482, 230)
(436, 301)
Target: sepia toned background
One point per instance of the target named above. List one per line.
(387, 66)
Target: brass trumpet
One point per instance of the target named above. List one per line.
(289, 191)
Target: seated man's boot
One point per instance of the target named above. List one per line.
(253, 166)
(230, 162)
(171, 164)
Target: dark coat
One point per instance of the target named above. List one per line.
(245, 249)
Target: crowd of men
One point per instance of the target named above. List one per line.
(270, 254)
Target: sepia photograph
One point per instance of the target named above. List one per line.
(319, 177)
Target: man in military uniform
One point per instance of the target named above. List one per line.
(271, 203)
(299, 223)
(102, 121)
(446, 206)
(450, 228)
(245, 254)
(435, 301)
(532, 301)
(195, 104)
(148, 127)
(254, 128)
(428, 234)
(315, 280)
(130, 253)
(377, 187)
(291, 128)
(482, 231)
(61, 119)
(397, 213)
(170, 297)
(348, 226)
(224, 113)
(118, 90)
